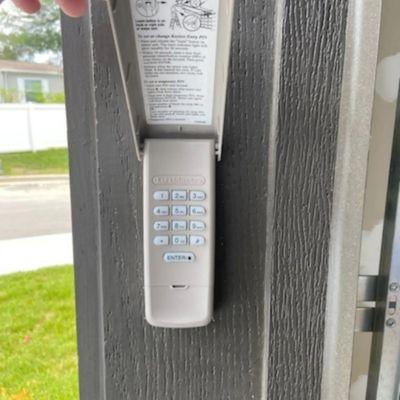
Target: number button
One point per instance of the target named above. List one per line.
(197, 240)
(197, 226)
(179, 225)
(161, 240)
(197, 195)
(179, 211)
(161, 225)
(179, 240)
(161, 195)
(179, 195)
(161, 211)
(197, 211)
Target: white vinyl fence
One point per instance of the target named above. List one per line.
(31, 127)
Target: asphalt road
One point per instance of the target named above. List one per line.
(34, 207)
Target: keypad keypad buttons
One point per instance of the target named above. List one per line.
(196, 195)
(180, 195)
(179, 240)
(161, 211)
(179, 211)
(179, 225)
(197, 226)
(179, 257)
(161, 240)
(161, 195)
(197, 211)
(175, 232)
(161, 225)
(197, 240)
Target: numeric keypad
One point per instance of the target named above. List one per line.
(183, 211)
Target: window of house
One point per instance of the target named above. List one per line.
(32, 89)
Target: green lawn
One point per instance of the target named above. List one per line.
(38, 356)
(53, 161)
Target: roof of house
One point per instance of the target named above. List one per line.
(22, 66)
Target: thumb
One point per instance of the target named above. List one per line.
(73, 8)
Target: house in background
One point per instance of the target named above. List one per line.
(28, 82)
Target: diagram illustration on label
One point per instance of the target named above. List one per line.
(148, 8)
(191, 15)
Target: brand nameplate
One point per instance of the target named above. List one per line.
(179, 180)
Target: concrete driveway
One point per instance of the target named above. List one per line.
(35, 223)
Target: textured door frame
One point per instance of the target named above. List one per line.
(277, 148)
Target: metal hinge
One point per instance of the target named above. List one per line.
(366, 301)
(367, 297)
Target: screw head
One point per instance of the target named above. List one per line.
(390, 323)
(394, 287)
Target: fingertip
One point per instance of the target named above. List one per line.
(29, 6)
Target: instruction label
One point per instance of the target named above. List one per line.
(177, 43)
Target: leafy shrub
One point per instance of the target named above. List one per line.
(15, 96)
(9, 95)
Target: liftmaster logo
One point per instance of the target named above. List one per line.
(179, 180)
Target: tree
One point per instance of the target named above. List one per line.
(22, 36)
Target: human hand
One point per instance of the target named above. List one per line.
(73, 8)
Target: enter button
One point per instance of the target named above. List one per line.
(179, 257)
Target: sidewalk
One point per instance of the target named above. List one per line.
(26, 254)
(11, 179)
(35, 222)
